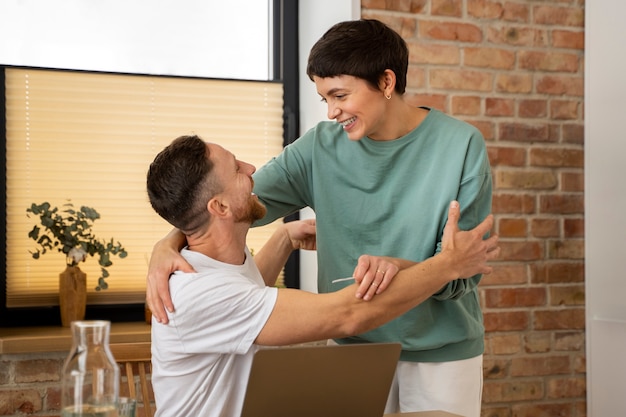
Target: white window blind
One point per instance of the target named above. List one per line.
(89, 138)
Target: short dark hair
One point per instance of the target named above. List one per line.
(362, 48)
(180, 183)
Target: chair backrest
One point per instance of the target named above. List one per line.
(135, 366)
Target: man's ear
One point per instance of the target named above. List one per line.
(218, 207)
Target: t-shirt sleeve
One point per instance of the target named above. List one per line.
(221, 317)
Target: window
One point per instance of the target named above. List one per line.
(85, 53)
(89, 138)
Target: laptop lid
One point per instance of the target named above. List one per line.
(321, 381)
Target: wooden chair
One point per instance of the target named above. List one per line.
(131, 357)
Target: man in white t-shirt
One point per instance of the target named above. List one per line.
(226, 307)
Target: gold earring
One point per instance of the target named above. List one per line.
(388, 97)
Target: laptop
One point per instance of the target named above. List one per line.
(321, 381)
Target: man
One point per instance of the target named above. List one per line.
(227, 308)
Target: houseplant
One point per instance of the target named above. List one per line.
(69, 230)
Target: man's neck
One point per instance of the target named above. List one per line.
(226, 246)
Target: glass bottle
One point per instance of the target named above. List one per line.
(90, 376)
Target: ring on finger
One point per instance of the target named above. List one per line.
(375, 284)
(382, 272)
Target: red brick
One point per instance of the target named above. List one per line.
(564, 109)
(573, 133)
(557, 157)
(416, 77)
(561, 16)
(559, 85)
(516, 12)
(506, 274)
(542, 410)
(512, 227)
(558, 272)
(562, 204)
(421, 53)
(485, 9)
(463, 80)
(562, 319)
(467, 105)
(504, 344)
(487, 128)
(506, 321)
(449, 31)
(521, 251)
(505, 203)
(548, 61)
(5, 372)
(526, 180)
(526, 132)
(533, 108)
(514, 83)
(489, 58)
(516, 36)
(494, 368)
(542, 365)
(569, 341)
(568, 39)
(570, 295)
(573, 228)
(569, 387)
(499, 107)
(572, 181)
(515, 297)
(566, 249)
(506, 156)
(447, 8)
(411, 6)
(512, 391)
(543, 228)
(537, 342)
(434, 101)
(37, 370)
(25, 401)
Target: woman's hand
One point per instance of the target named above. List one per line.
(165, 259)
(373, 274)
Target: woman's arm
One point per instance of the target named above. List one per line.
(165, 259)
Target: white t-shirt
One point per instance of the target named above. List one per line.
(201, 360)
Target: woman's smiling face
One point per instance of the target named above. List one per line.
(355, 104)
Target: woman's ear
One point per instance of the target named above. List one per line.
(387, 82)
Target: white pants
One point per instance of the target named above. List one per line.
(455, 387)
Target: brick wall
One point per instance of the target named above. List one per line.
(30, 385)
(514, 69)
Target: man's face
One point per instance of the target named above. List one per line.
(236, 176)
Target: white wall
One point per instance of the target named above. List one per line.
(605, 205)
(316, 16)
(157, 37)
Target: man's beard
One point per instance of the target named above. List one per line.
(252, 212)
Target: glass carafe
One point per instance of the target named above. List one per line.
(90, 376)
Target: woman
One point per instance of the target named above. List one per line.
(379, 177)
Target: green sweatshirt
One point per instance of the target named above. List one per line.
(390, 199)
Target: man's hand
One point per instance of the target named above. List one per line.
(469, 250)
(165, 259)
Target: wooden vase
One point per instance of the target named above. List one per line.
(72, 295)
